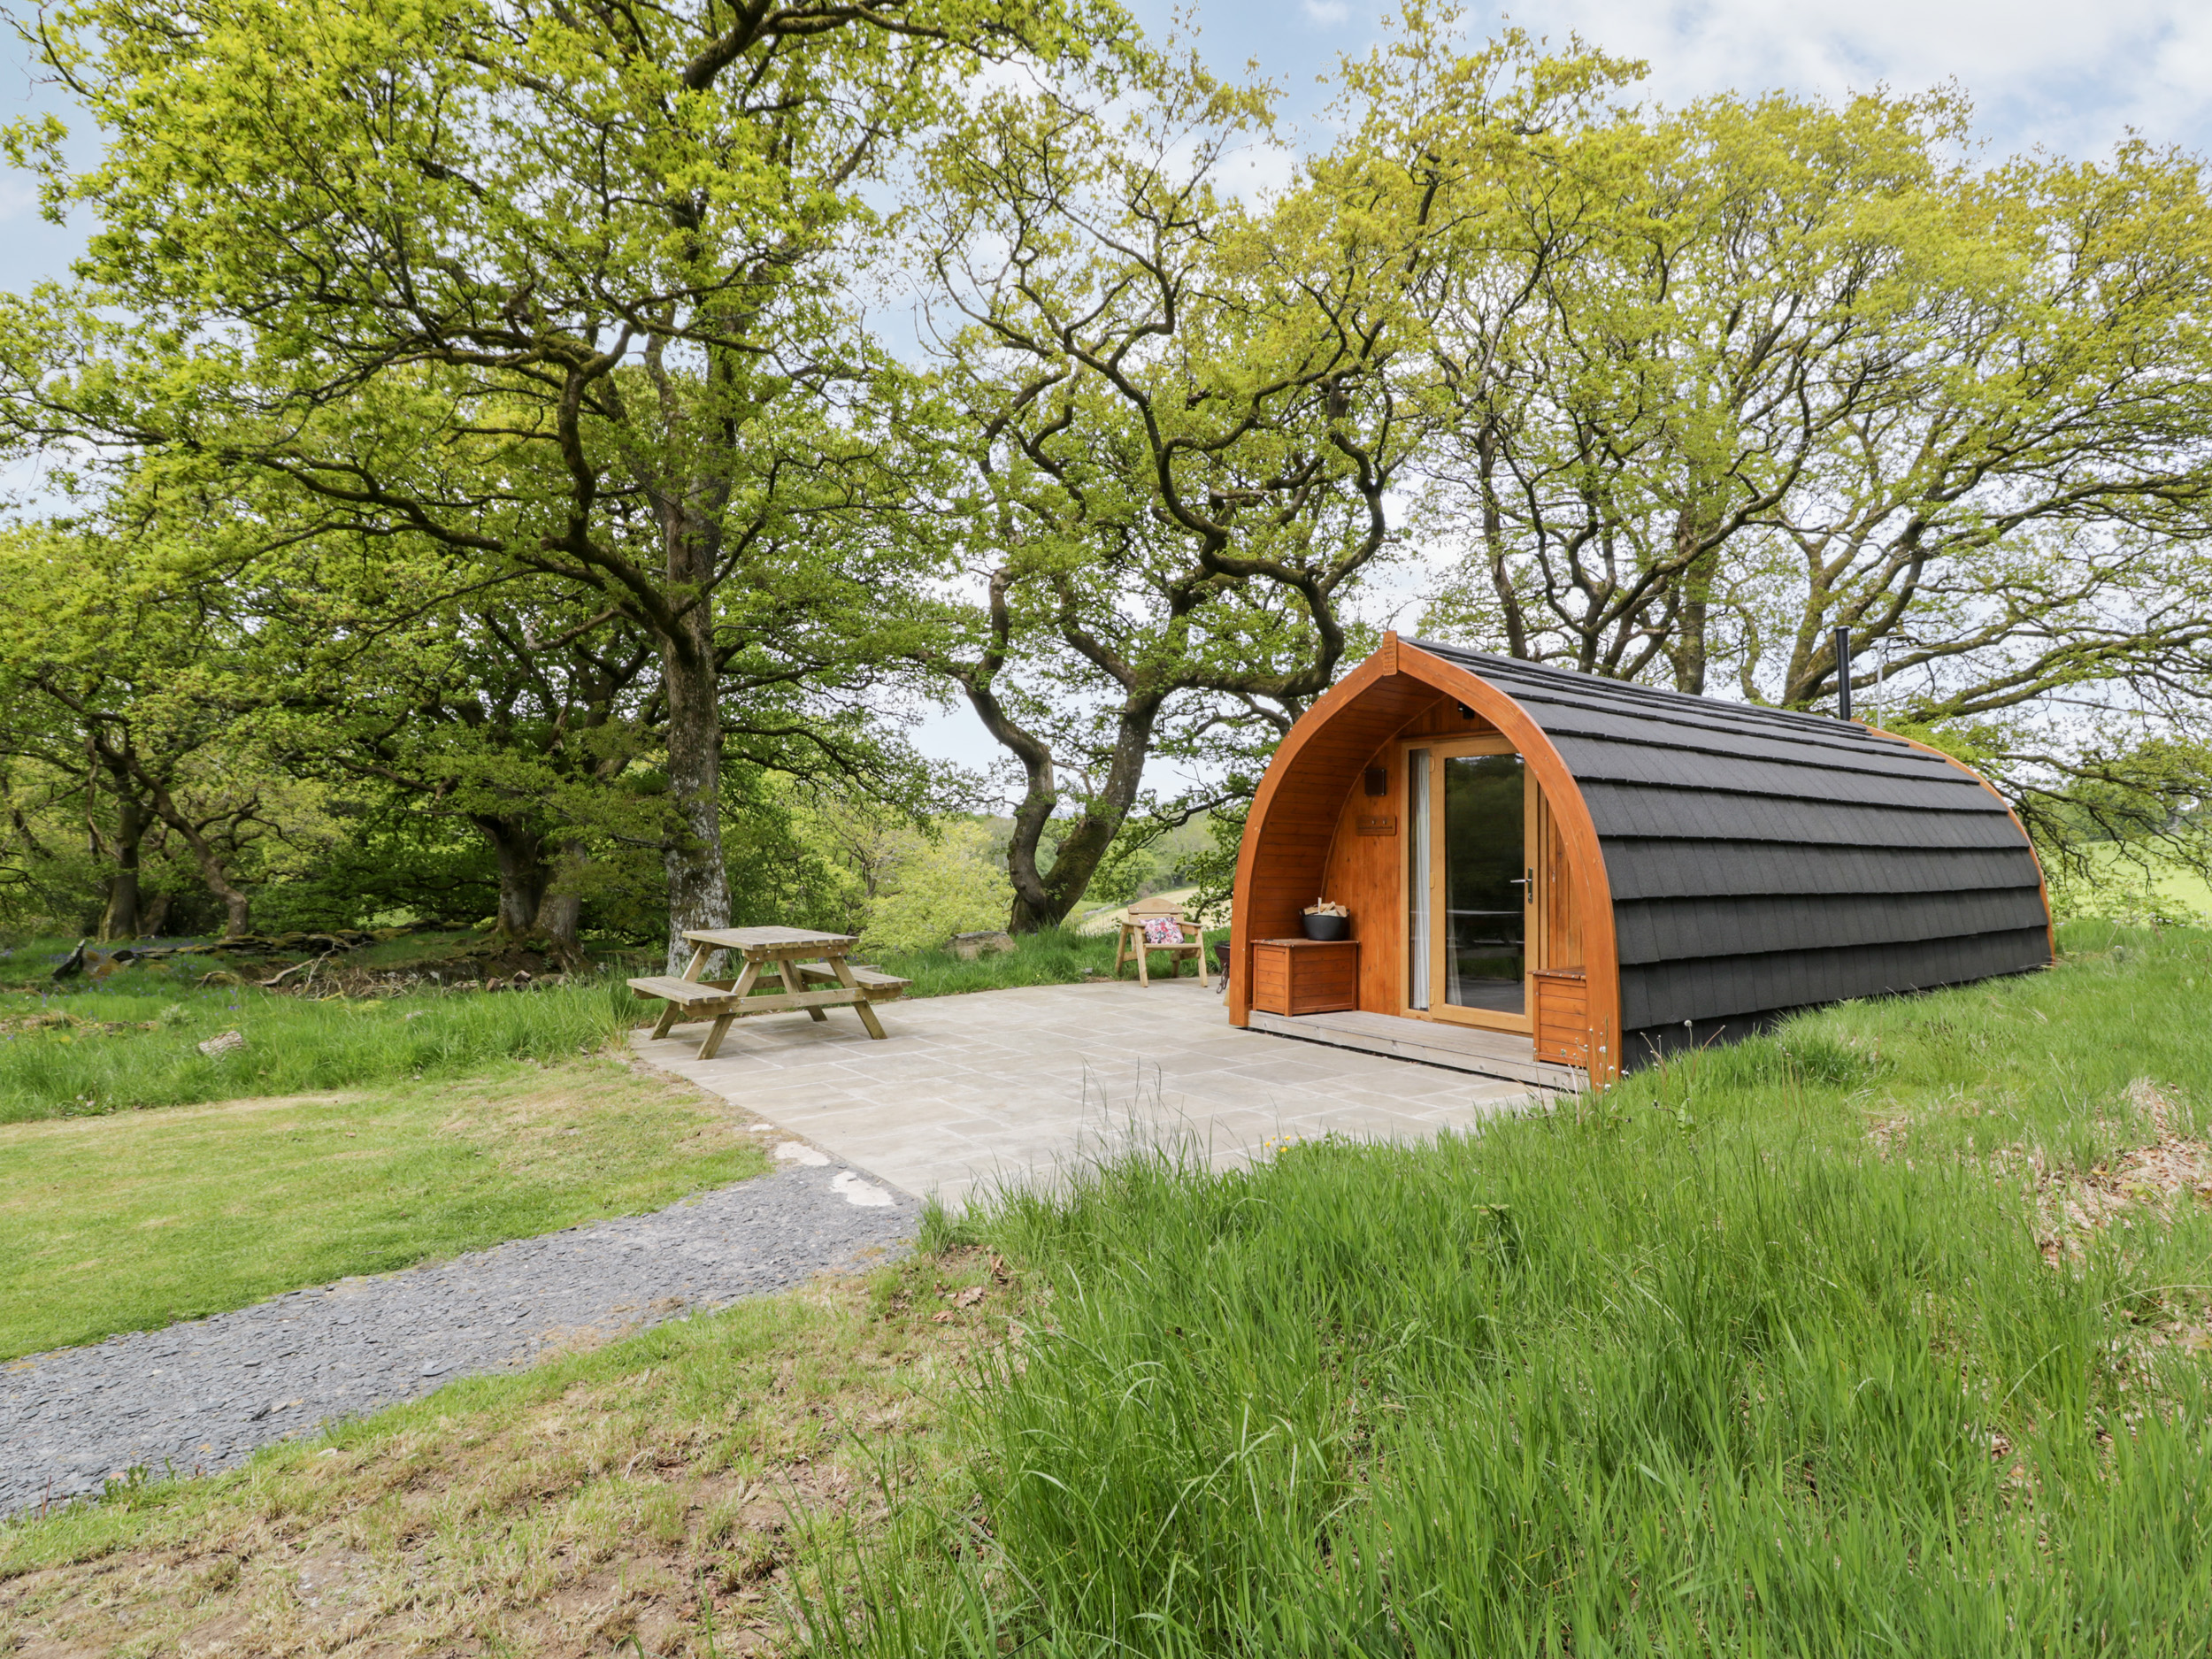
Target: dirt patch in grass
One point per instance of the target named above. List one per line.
(2150, 1181)
(663, 1495)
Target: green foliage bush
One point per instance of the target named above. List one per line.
(421, 869)
(940, 885)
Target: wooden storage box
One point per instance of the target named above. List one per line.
(1563, 1017)
(1305, 976)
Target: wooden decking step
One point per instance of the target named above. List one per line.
(1429, 1042)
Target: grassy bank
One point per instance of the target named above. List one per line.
(134, 1041)
(131, 1221)
(1882, 1336)
(660, 1495)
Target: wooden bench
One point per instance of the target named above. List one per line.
(879, 985)
(795, 958)
(1133, 945)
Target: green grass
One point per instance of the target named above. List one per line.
(1059, 956)
(293, 1045)
(1787, 1349)
(130, 1221)
(1760, 1354)
(660, 1494)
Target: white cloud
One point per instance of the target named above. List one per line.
(2054, 73)
(1327, 13)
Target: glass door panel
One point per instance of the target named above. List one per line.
(1420, 942)
(1485, 920)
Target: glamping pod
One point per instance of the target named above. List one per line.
(1550, 873)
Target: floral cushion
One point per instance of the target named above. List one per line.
(1163, 929)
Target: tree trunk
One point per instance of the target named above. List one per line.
(237, 907)
(121, 919)
(1691, 650)
(1043, 900)
(562, 908)
(1497, 548)
(522, 873)
(698, 881)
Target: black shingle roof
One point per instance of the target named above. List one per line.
(1763, 860)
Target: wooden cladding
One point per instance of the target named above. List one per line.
(1364, 875)
(1313, 785)
(1562, 1016)
(1330, 821)
(1305, 976)
(1366, 870)
(1446, 717)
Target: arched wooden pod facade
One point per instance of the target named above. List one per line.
(1693, 867)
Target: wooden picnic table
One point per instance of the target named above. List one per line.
(795, 956)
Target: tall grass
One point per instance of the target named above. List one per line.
(292, 1044)
(1702, 1367)
(295, 1045)
(1057, 956)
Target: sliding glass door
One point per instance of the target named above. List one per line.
(1486, 882)
(1468, 883)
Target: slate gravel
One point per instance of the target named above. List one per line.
(200, 1397)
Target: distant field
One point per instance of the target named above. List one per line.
(2119, 886)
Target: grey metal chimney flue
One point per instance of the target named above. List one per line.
(1843, 674)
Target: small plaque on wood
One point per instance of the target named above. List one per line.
(1379, 826)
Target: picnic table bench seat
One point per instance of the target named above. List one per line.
(683, 992)
(879, 985)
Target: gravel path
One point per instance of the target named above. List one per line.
(201, 1396)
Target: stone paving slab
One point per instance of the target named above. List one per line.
(1016, 1086)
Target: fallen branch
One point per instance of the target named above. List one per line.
(310, 965)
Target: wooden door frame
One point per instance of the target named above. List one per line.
(1449, 746)
(1397, 681)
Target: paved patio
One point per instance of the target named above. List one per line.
(1014, 1085)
